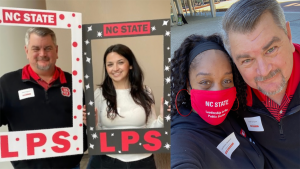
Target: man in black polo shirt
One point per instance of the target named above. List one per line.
(48, 102)
(259, 41)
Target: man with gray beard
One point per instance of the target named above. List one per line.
(49, 100)
(260, 43)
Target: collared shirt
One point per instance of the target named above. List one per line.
(27, 71)
(278, 111)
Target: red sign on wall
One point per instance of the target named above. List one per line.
(121, 29)
(28, 17)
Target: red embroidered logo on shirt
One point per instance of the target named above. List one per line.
(243, 133)
(65, 91)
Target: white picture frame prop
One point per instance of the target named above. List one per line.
(33, 144)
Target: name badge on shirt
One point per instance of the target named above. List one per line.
(228, 145)
(26, 93)
(254, 123)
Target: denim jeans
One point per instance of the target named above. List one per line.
(105, 162)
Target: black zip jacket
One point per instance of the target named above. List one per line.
(48, 109)
(280, 141)
(194, 144)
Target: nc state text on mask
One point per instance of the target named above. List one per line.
(216, 104)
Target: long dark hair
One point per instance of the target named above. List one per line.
(180, 73)
(138, 92)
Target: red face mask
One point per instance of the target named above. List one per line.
(213, 106)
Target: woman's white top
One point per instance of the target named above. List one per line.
(133, 116)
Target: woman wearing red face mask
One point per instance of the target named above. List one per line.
(208, 93)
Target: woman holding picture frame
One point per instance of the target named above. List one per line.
(123, 102)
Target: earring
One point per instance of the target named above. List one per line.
(237, 106)
(176, 104)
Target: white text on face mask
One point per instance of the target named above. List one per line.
(214, 114)
(216, 104)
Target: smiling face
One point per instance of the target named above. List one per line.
(41, 53)
(264, 56)
(117, 67)
(211, 70)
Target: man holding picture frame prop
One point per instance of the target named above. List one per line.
(40, 103)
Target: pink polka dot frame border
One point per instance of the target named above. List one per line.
(17, 142)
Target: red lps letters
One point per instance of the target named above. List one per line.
(34, 140)
(132, 137)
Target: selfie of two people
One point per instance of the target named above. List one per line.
(46, 52)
